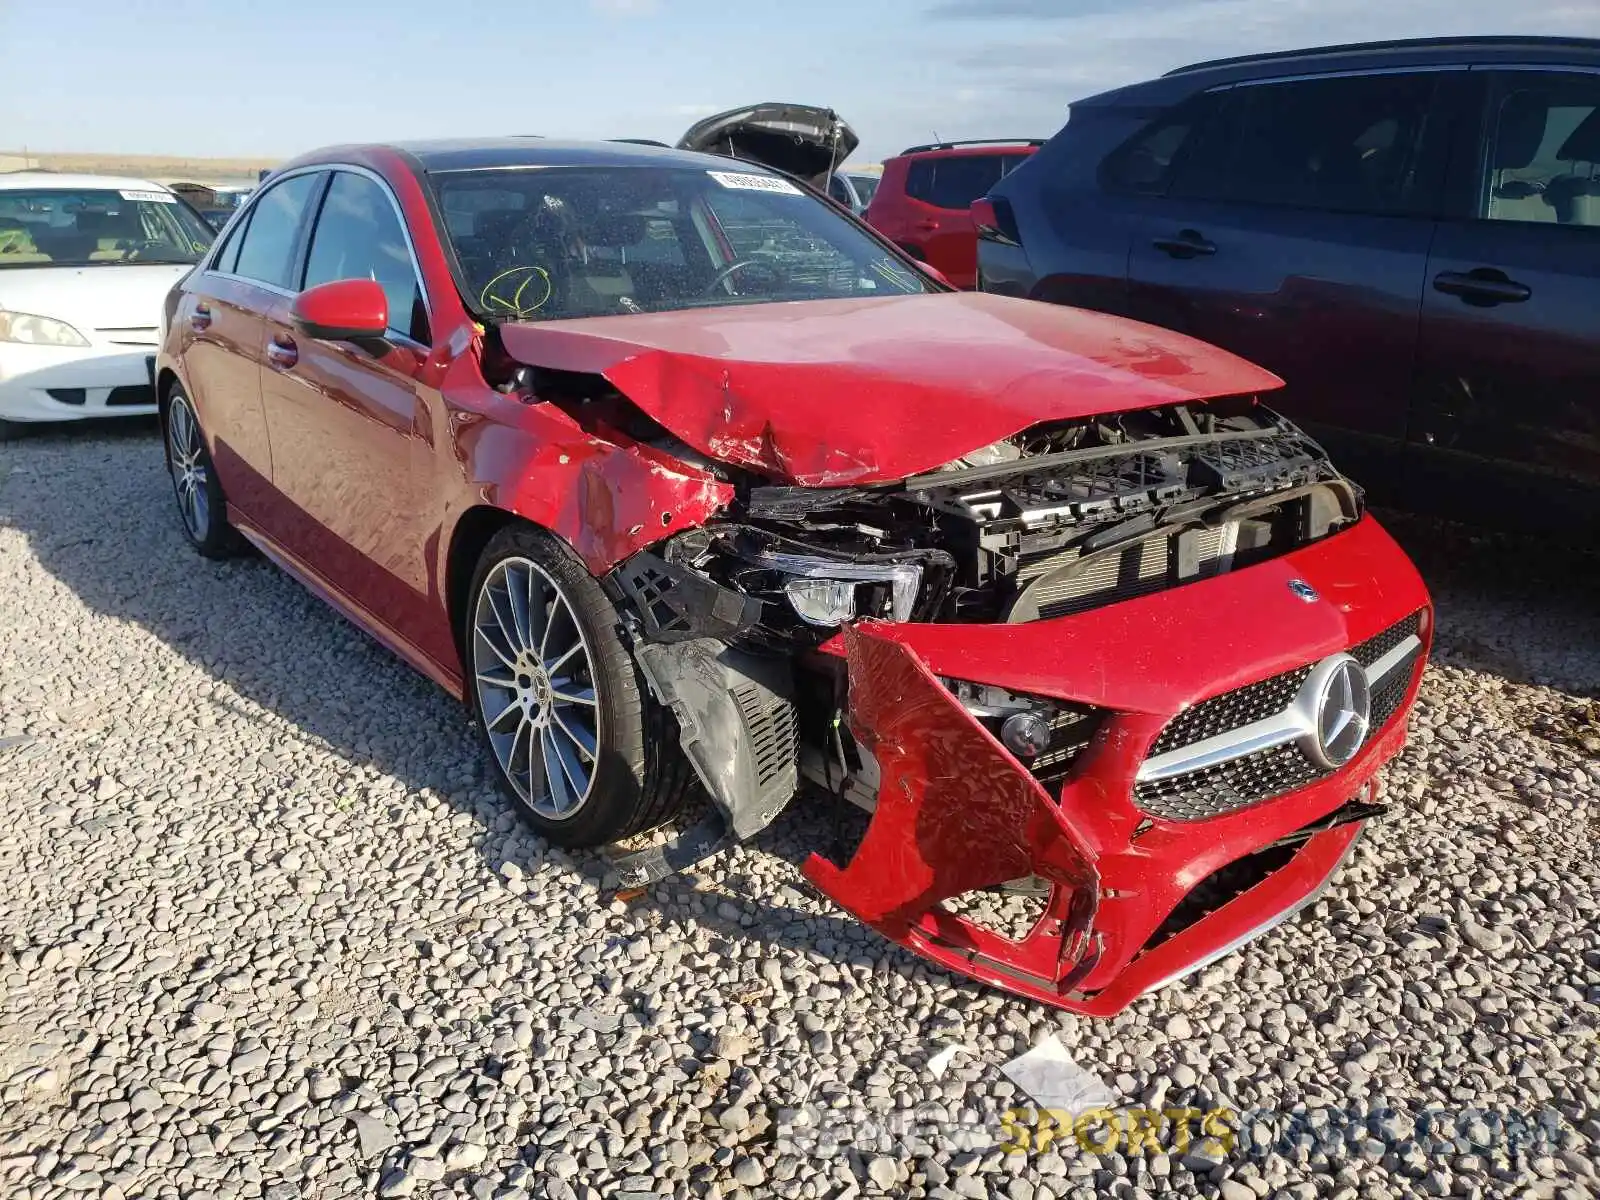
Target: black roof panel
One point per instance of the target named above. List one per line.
(476, 154)
(1584, 47)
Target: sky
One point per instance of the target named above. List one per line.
(210, 77)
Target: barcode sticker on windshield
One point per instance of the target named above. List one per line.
(754, 183)
(150, 197)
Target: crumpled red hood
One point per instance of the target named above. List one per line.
(826, 393)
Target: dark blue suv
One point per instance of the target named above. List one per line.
(1408, 233)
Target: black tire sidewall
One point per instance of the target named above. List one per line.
(221, 541)
(619, 800)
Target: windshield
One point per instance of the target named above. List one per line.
(61, 227)
(866, 186)
(546, 243)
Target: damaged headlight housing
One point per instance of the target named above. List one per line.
(828, 592)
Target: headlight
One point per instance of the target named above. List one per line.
(38, 331)
(825, 591)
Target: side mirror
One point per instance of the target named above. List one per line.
(346, 310)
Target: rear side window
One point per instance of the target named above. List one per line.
(956, 181)
(1351, 144)
(266, 253)
(1543, 160)
(1147, 162)
(358, 236)
(228, 257)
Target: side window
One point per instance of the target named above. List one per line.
(1146, 163)
(919, 180)
(227, 257)
(1543, 159)
(954, 182)
(359, 236)
(1351, 144)
(267, 244)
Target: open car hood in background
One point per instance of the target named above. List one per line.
(799, 139)
(830, 393)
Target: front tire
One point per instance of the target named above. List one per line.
(576, 740)
(201, 505)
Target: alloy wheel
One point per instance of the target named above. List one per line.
(535, 685)
(189, 471)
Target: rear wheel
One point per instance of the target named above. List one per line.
(201, 504)
(577, 741)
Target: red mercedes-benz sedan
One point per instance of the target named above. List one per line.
(689, 484)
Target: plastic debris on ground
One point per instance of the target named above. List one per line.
(1055, 1082)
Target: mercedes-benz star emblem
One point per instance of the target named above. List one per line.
(1338, 711)
(1304, 590)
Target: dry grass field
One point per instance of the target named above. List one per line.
(143, 166)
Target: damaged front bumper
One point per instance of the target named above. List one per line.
(1136, 897)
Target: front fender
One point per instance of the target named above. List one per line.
(605, 499)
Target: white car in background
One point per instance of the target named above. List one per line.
(86, 262)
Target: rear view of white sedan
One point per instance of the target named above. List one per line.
(86, 262)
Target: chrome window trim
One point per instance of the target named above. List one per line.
(206, 266)
(255, 283)
(1410, 69)
(394, 205)
(1541, 68)
(1352, 73)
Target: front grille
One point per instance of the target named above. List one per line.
(1371, 650)
(1230, 711)
(1267, 774)
(1386, 700)
(67, 395)
(130, 396)
(1229, 786)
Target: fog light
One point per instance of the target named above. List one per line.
(1026, 734)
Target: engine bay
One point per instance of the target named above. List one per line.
(1057, 520)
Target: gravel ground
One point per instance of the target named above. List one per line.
(267, 930)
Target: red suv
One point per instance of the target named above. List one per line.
(926, 195)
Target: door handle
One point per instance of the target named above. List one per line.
(200, 318)
(282, 352)
(1188, 244)
(926, 226)
(1483, 288)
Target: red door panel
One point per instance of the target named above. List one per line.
(223, 321)
(350, 439)
(949, 241)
